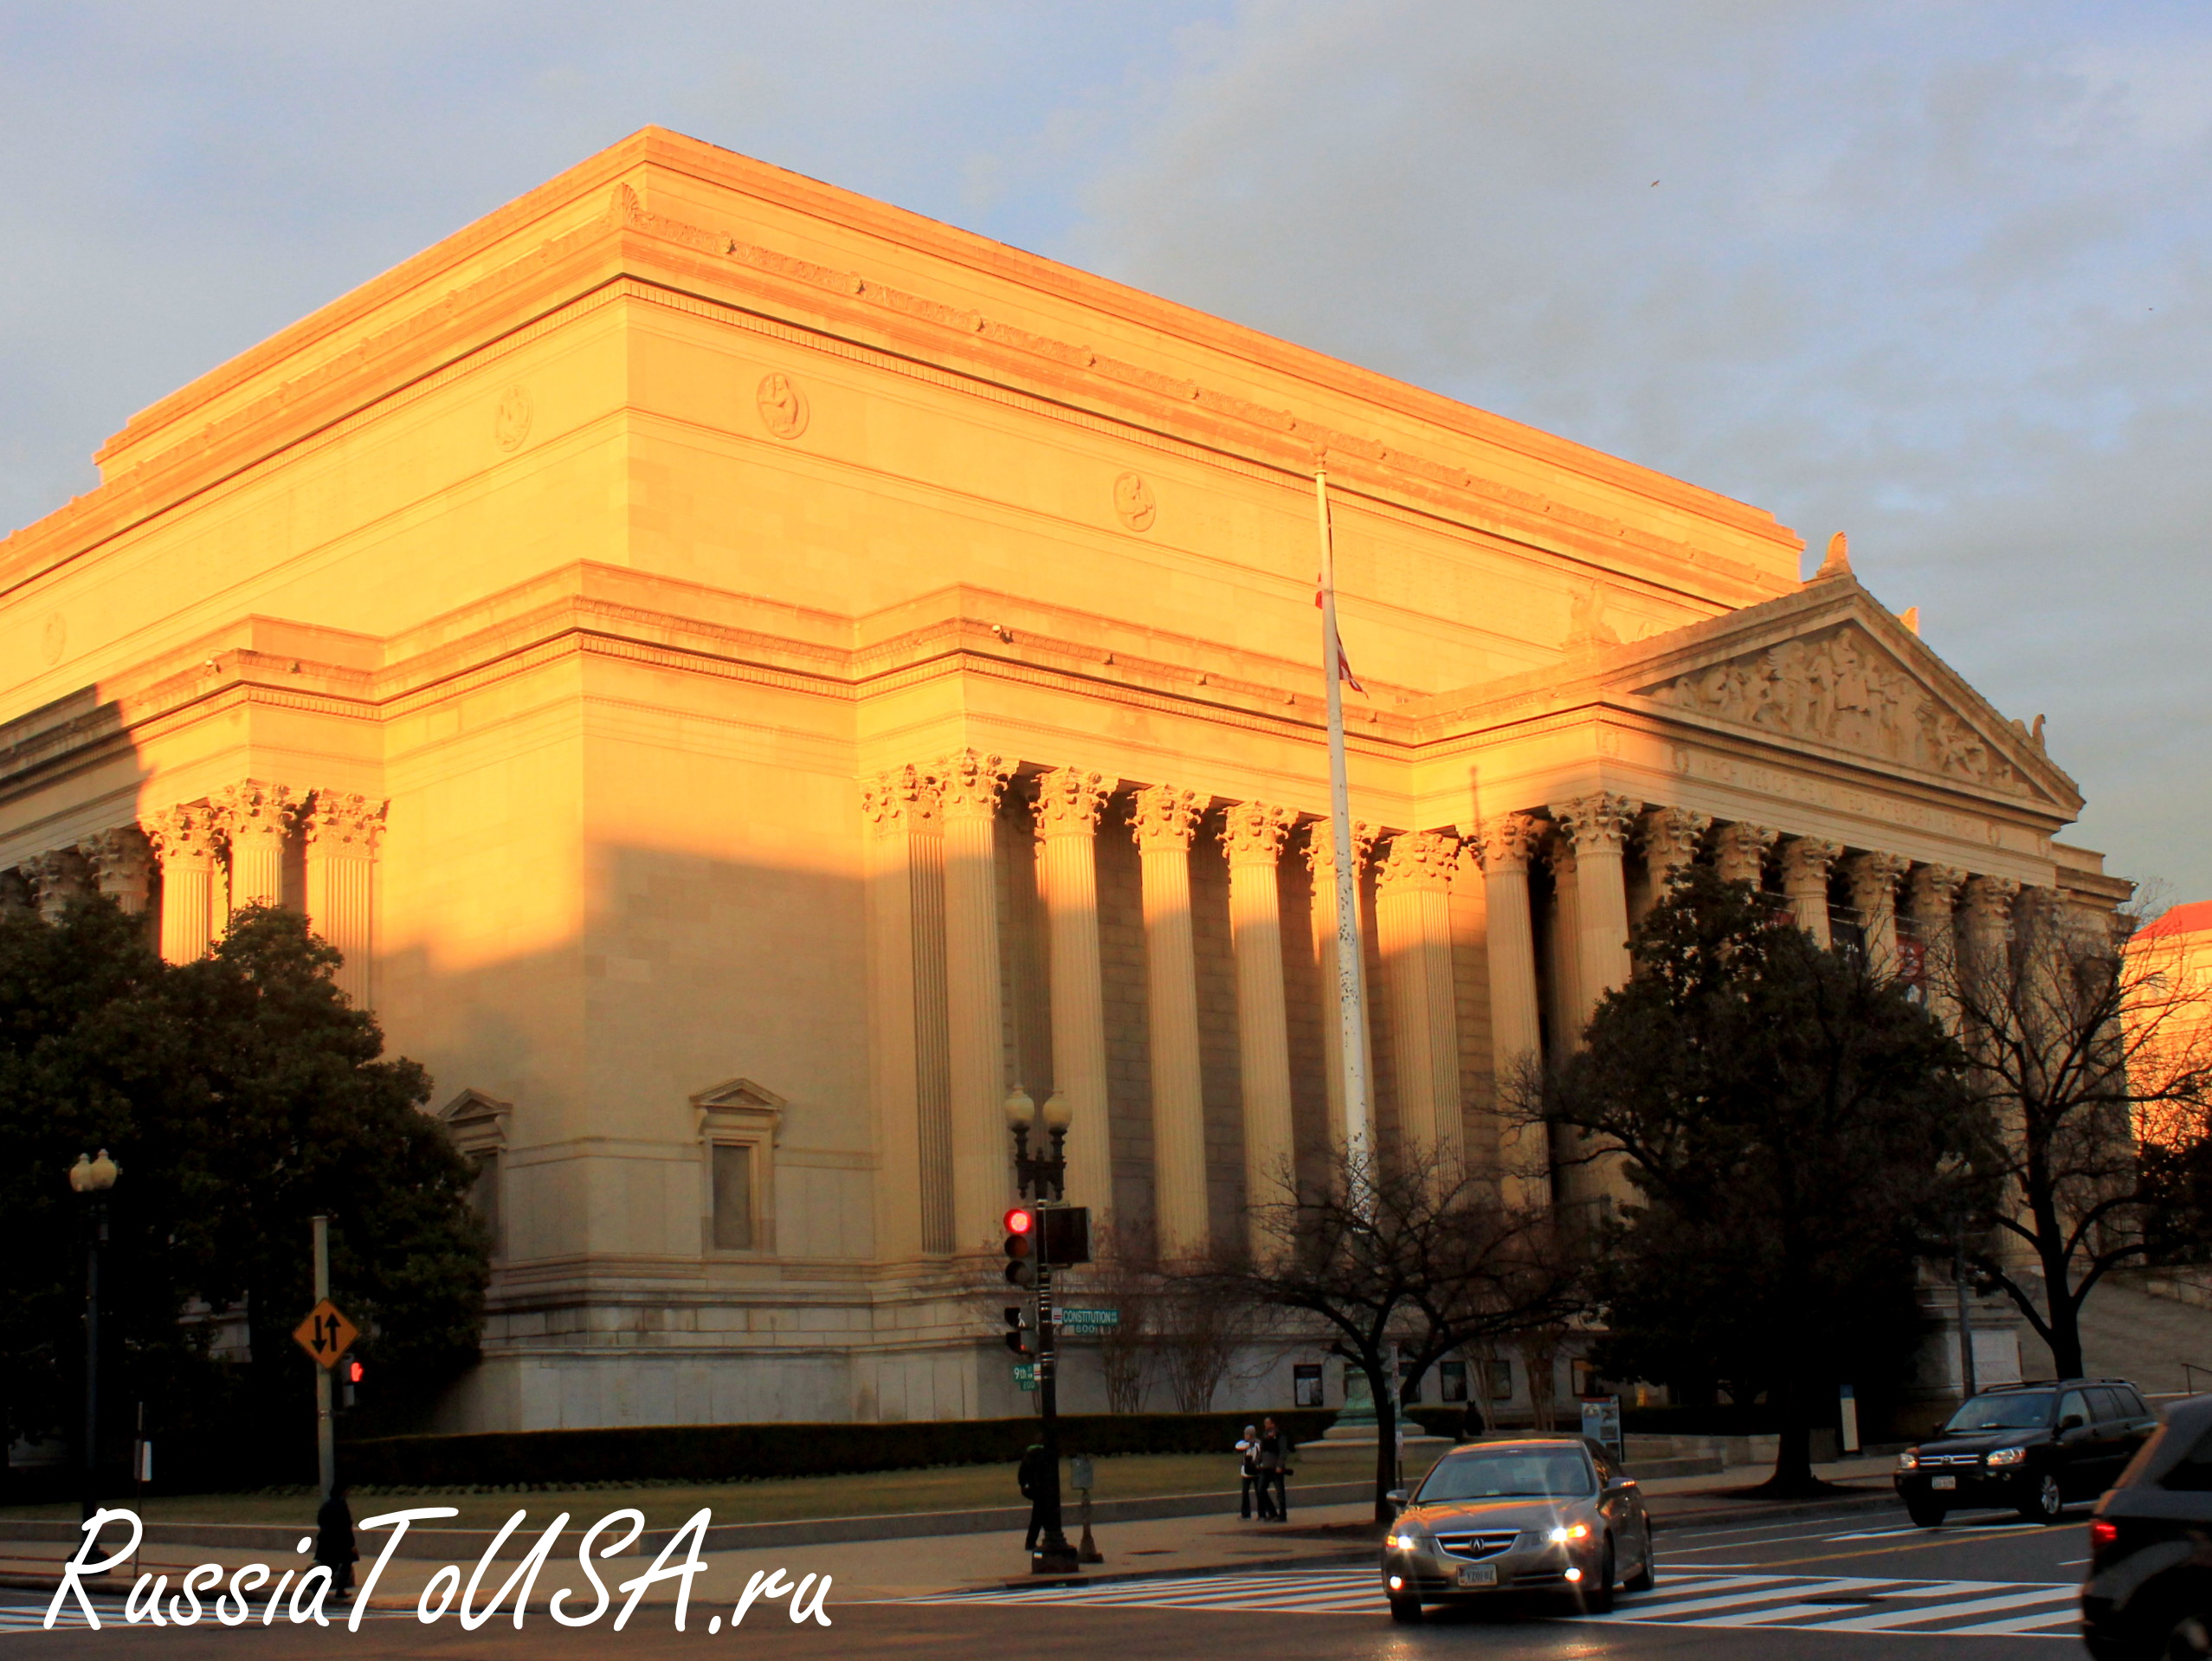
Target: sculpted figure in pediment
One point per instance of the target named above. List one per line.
(1835, 687)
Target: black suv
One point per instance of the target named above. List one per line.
(2148, 1593)
(2034, 1446)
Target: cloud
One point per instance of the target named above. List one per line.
(1935, 274)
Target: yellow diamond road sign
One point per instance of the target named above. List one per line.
(326, 1334)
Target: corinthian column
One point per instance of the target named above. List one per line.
(57, 878)
(1164, 820)
(1987, 909)
(1598, 825)
(1068, 801)
(1254, 832)
(1805, 864)
(1504, 846)
(1321, 861)
(906, 930)
(122, 866)
(1934, 894)
(1670, 838)
(343, 829)
(184, 840)
(257, 817)
(1740, 853)
(1413, 926)
(1874, 880)
(969, 784)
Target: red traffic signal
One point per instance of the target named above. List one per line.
(1021, 1221)
(1021, 1224)
(354, 1372)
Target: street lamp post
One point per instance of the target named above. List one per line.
(93, 1178)
(1043, 1178)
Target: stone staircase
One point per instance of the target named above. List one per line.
(2131, 1332)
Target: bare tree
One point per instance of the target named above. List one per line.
(1203, 1323)
(1410, 1258)
(2082, 1043)
(1124, 1273)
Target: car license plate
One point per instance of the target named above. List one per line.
(1942, 1481)
(1478, 1574)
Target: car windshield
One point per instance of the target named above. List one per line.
(1516, 1473)
(2015, 1410)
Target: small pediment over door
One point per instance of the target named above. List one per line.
(739, 1102)
(1859, 682)
(477, 1123)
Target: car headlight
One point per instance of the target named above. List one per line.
(1566, 1531)
(1909, 1460)
(1408, 1539)
(2008, 1455)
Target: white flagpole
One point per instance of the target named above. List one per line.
(1352, 969)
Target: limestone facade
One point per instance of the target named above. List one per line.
(748, 675)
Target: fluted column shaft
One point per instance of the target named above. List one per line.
(906, 1008)
(1254, 832)
(1068, 801)
(1164, 820)
(184, 840)
(1504, 846)
(256, 818)
(1873, 879)
(1598, 826)
(1321, 861)
(1413, 926)
(343, 830)
(1934, 893)
(968, 783)
(1805, 861)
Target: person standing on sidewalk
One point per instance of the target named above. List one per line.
(1252, 1485)
(1032, 1479)
(1274, 1472)
(334, 1547)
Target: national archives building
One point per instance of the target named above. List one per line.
(748, 675)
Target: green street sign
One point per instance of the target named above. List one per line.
(1077, 1321)
(1025, 1374)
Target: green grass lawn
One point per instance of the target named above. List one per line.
(951, 1488)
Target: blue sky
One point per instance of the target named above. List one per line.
(1940, 274)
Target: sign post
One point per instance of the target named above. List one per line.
(326, 1336)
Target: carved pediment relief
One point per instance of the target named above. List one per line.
(1840, 686)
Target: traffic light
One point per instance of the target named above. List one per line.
(1021, 1254)
(1067, 1231)
(1018, 1337)
(350, 1374)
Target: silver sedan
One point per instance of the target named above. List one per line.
(1535, 1514)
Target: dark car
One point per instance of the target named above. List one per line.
(2149, 1592)
(2030, 1446)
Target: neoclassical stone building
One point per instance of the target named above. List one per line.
(748, 675)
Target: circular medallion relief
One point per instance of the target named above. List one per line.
(54, 640)
(1132, 500)
(511, 421)
(783, 406)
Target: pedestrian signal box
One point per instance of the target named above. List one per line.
(1067, 1231)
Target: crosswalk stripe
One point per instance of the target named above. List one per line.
(2069, 1617)
(1889, 1618)
(1733, 1600)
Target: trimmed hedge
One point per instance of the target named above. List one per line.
(751, 1452)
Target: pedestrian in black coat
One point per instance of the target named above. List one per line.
(334, 1547)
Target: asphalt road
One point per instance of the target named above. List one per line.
(1855, 1582)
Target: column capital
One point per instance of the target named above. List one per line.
(1740, 850)
(186, 834)
(900, 799)
(1418, 860)
(1164, 818)
(252, 810)
(1068, 801)
(1873, 879)
(1254, 832)
(968, 783)
(1805, 861)
(57, 877)
(1506, 842)
(1989, 899)
(1935, 888)
(120, 860)
(1670, 835)
(1321, 845)
(1598, 823)
(341, 821)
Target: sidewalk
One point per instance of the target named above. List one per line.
(885, 1569)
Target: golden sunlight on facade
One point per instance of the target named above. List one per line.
(748, 675)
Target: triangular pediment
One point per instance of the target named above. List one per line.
(475, 1121)
(1829, 667)
(739, 1093)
